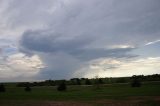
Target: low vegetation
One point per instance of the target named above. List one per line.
(62, 86)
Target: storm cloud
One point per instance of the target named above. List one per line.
(69, 35)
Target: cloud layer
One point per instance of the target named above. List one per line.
(68, 35)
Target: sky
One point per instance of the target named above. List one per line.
(63, 39)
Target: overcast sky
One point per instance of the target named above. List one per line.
(62, 39)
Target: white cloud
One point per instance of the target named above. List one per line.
(150, 43)
(20, 65)
(106, 67)
(121, 46)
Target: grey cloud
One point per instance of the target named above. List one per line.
(64, 56)
(134, 21)
(40, 41)
(137, 22)
(78, 31)
(68, 34)
(59, 66)
(52, 42)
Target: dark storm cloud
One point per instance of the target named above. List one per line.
(53, 42)
(40, 41)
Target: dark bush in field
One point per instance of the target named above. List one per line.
(27, 88)
(2, 88)
(136, 83)
(87, 82)
(62, 86)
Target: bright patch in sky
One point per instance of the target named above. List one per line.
(149, 43)
(123, 67)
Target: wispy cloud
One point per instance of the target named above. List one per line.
(150, 43)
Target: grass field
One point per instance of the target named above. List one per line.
(114, 94)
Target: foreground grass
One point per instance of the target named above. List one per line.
(115, 92)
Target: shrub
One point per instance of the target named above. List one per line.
(2, 88)
(27, 88)
(87, 82)
(62, 86)
(136, 83)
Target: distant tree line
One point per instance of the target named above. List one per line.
(87, 81)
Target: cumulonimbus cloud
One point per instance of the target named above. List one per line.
(68, 34)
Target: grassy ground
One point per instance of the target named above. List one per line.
(118, 94)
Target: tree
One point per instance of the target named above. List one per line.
(2, 88)
(62, 86)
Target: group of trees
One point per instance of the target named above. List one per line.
(86, 81)
(61, 87)
(73, 81)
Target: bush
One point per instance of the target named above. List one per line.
(136, 83)
(87, 82)
(2, 88)
(27, 88)
(62, 86)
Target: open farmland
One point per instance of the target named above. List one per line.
(111, 94)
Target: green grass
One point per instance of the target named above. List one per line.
(115, 91)
(118, 92)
